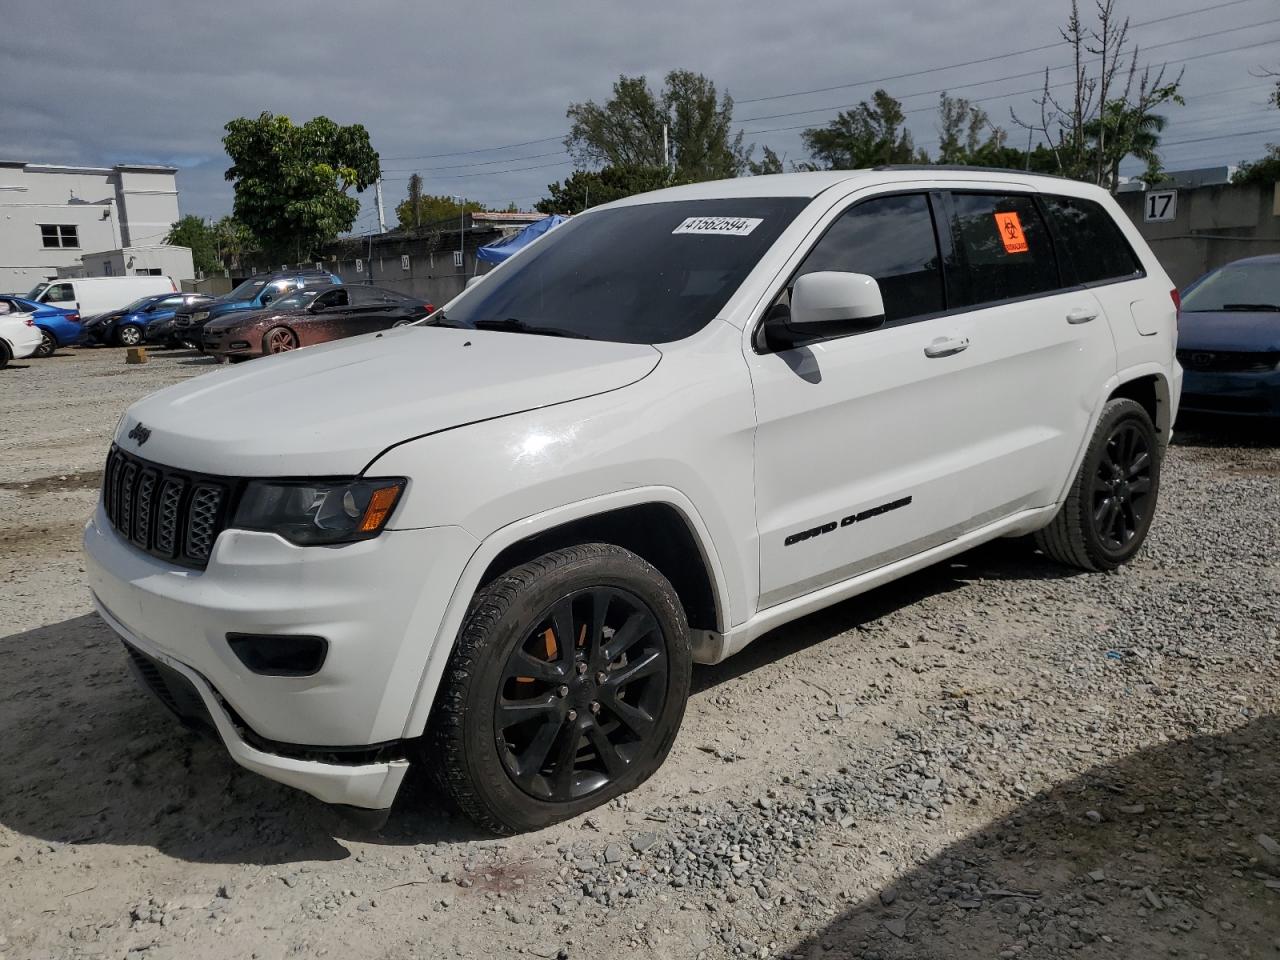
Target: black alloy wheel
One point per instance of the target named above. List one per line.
(1122, 487)
(1109, 506)
(581, 695)
(565, 689)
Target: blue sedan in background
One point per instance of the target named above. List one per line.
(59, 327)
(1229, 340)
(132, 325)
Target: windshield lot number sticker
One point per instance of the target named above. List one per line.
(1010, 228)
(724, 226)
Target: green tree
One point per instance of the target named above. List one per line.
(966, 134)
(769, 163)
(192, 232)
(431, 208)
(232, 240)
(293, 183)
(1108, 111)
(590, 188)
(1265, 170)
(625, 132)
(866, 136)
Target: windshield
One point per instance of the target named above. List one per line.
(295, 301)
(650, 273)
(247, 290)
(35, 292)
(1240, 286)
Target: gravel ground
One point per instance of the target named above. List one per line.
(991, 758)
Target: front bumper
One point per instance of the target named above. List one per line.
(372, 786)
(378, 603)
(1237, 394)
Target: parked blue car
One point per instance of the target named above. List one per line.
(131, 325)
(1229, 340)
(59, 327)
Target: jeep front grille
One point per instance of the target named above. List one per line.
(172, 514)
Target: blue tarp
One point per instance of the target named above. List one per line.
(500, 250)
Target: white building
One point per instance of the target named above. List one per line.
(53, 218)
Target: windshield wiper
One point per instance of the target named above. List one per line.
(516, 325)
(1253, 307)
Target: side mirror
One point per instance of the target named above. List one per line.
(472, 281)
(829, 303)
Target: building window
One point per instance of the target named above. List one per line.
(147, 272)
(59, 235)
(107, 269)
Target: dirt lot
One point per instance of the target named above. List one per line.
(992, 758)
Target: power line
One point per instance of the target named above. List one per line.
(970, 63)
(480, 163)
(485, 173)
(1015, 76)
(466, 153)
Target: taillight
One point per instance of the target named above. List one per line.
(30, 322)
(73, 317)
(430, 308)
(1177, 298)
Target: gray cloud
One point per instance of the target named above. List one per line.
(148, 81)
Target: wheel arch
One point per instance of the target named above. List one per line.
(1151, 391)
(607, 518)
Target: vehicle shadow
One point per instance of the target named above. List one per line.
(89, 757)
(1005, 559)
(1155, 854)
(1206, 430)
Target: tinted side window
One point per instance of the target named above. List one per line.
(1004, 247)
(1091, 243)
(891, 239)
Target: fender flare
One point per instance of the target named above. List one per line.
(1120, 377)
(450, 623)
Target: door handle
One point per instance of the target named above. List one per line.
(946, 346)
(1081, 314)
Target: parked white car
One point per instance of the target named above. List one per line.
(19, 337)
(94, 295)
(677, 422)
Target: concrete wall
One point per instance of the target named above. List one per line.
(431, 273)
(1214, 226)
(109, 206)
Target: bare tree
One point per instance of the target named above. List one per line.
(1091, 130)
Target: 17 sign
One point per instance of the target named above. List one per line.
(1162, 206)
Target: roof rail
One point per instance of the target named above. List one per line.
(964, 168)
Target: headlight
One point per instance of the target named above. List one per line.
(200, 315)
(317, 512)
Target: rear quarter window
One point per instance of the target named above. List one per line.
(1093, 248)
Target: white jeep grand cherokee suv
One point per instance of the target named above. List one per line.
(495, 543)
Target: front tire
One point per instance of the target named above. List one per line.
(129, 336)
(279, 340)
(1112, 500)
(566, 688)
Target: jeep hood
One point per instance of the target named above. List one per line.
(331, 409)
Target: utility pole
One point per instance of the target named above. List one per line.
(462, 232)
(382, 217)
(666, 150)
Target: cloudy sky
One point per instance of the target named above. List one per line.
(438, 85)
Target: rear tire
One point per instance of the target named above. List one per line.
(5, 355)
(518, 707)
(47, 345)
(1109, 507)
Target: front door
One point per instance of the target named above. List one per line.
(861, 441)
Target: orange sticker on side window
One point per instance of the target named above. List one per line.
(1010, 228)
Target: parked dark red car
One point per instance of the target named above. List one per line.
(310, 316)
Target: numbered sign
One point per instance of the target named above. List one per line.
(457, 258)
(319, 265)
(404, 261)
(359, 266)
(1162, 206)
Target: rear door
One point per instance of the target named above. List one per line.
(369, 310)
(1039, 350)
